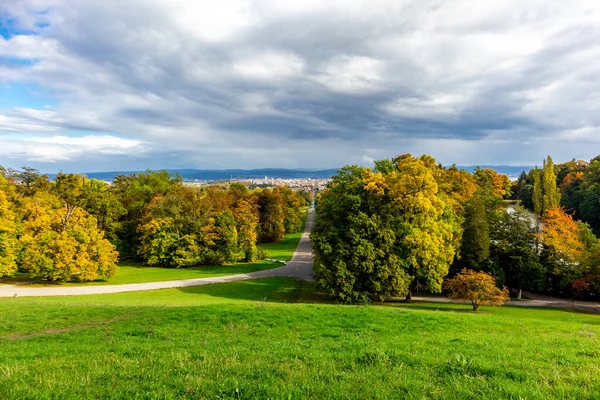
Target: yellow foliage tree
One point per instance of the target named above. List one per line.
(477, 287)
(8, 238)
(62, 244)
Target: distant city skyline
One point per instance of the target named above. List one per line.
(103, 86)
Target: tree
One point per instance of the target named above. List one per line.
(475, 246)
(272, 215)
(551, 197)
(60, 245)
(538, 194)
(563, 251)
(188, 227)
(376, 233)
(513, 249)
(31, 181)
(425, 224)
(294, 206)
(246, 215)
(134, 191)
(9, 245)
(563, 235)
(353, 239)
(477, 287)
(499, 183)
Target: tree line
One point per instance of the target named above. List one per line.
(410, 223)
(73, 227)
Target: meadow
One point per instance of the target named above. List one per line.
(279, 338)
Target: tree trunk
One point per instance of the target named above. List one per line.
(408, 296)
(475, 305)
(519, 293)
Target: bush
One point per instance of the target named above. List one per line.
(477, 287)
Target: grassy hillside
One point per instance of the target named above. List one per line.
(270, 339)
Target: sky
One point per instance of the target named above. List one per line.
(127, 85)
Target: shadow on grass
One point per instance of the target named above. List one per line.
(446, 307)
(275, 290)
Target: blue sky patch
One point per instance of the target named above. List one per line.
(25, 95)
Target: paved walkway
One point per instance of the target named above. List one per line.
(299, 267)
(536, 301)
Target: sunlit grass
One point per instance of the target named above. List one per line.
(268, 339)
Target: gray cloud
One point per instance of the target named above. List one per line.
(306, 83)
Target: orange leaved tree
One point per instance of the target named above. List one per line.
(477, 287)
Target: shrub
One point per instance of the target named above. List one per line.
(477, 287)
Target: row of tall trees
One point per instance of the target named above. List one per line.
(410, 223)
(574, 185)
(75, 228)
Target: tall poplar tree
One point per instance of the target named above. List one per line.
(538, 195)
(551, 194)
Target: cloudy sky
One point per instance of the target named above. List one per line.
(134, 84)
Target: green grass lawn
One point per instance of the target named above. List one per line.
(284, 250)
(133, 272)
(270, 338)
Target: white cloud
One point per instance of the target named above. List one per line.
(62, 148)
(236, 82)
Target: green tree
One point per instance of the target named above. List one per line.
(376, 233)
(513, 249)
(134, 191)
(475, 246)
(353, 239)
(538, 194)
(271, 207)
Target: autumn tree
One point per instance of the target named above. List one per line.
(376, 232)
(551, 194)
(477, 287)
(188, 227)
(61, 244)
(9, 246)
(499, 183)
(425, 223)
(246, 216)
(563, 249)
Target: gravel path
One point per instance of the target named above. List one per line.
(536, 301)
(299, 267)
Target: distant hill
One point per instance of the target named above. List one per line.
(223, 174)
